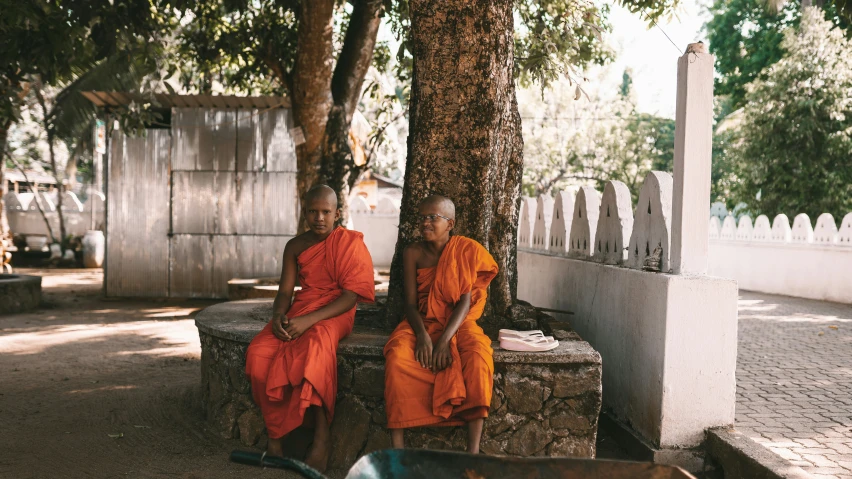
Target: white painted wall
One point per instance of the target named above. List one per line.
(668, 342)
(801, 261)
(804, 270)
(380, 233)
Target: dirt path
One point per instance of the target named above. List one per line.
(84, 369)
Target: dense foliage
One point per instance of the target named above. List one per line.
(746, 35)
(794, 144)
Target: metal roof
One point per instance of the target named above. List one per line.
(115, 99)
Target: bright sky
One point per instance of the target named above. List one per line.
(651, 55)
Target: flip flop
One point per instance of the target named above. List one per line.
(510, 333)
(529, 344)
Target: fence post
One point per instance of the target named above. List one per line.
(692, 155)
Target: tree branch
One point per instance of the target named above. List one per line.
(48, 128)
(285, 77)
(311, 94)
(356, 56)
(36, 196)
(378, 135)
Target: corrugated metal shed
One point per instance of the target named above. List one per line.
(137, 260)
(211, 199)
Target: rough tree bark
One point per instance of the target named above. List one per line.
(324, 95)
(310, 87)
(338, 168)
(465, 140)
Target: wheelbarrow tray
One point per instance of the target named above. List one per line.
(427, 464)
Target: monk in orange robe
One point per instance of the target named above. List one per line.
(292, 362)
(439, 367)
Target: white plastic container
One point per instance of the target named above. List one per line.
(93, 249)
(55, 251)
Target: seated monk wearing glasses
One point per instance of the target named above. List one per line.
(292, 363)
(439, 367)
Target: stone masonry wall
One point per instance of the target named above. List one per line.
(544, 404)
(20, 293)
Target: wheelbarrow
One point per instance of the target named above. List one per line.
(426, 464)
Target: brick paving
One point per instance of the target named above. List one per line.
(794, 380)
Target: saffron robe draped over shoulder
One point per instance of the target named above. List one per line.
(414, 395)
(287, 377)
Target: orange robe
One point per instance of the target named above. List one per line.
(287, 377)
(414, 396)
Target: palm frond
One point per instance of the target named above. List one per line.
(72, 114)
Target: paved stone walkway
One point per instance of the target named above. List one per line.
(794, 380)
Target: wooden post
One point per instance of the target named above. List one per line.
(692, 156)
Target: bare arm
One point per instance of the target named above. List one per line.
(297, 326)
(442, 357)
(423, 345)
(344, 303)
(284, 298)
(460, 311)
(287, 282)
(409, 276)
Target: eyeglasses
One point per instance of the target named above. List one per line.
(432, 218)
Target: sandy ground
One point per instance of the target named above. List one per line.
(95, 387)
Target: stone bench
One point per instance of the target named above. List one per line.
(544, 404)
(19, 293)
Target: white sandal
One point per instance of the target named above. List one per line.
(530, 344)
(511, 333)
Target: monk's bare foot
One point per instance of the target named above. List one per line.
(398, 438)
(275, 447)
(474, 435)
(318, 456)
(318, 453)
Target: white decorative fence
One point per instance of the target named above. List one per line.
(799, 260)
(668, 340)
(635, 279)
(603, 228)
(26, 220)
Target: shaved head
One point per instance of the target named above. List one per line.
(323, 192)
(445, 205)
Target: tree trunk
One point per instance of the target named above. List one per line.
(5, 234)
(465, 140)
(325, 96)
(60, 189)
(338, 168)
(311, 87)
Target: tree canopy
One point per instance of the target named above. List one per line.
(59, 41)
(794, 145)
(746, 38)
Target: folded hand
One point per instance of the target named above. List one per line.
(297, 326)
(423, 350)
(442, 357)
(279, 323)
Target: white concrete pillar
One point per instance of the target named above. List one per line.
(692, 155)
